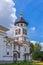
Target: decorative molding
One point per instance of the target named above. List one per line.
(7, 56)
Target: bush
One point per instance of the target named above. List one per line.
(37, 55)
(41, 55)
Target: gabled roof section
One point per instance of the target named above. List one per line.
(3, 28)
(8, 38)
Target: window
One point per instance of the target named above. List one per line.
(19, 48)
(8, 45)
(18, 24)
(19, 55)
(24, 38)
(19, 51)
(14, 55)
(7, 53)
(25, 49)
(19, 31)
(14, 47)
(21, 24)
(24, 24)
(16, 32)
(24, 31)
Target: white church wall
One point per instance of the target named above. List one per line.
(21, 54)
(2, 47)
(3, 50)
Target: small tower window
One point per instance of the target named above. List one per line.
(24, 31)
(14, 47)
(19, 31)
(24, 24)
(16, 32)
(18, 24)
(21, 24)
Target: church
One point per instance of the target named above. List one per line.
(16, 48)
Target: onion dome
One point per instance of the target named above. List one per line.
(20, 20)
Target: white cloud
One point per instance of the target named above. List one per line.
(33, 28)
(34, 42)
(10, 2)
(41, 44)
(7, 12)
(10, 33)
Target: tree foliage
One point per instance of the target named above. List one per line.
(31, 48)
(35, 50)
(37, 47)
(36, 53)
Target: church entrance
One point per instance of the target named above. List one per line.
(15, 57)
(26, 58)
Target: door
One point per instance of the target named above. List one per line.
(15, 57)
(26, 58)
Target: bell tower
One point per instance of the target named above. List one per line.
(20, 33)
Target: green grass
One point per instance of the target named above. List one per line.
(25, 63)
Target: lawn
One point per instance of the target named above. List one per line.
(25, 63)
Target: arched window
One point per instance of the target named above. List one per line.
(19, 31)
(24, 31)
(25, 49)
(16, 32)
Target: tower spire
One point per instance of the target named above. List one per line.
(21, 14)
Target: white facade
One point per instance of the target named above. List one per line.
(21, 37)
(16, 49)
(6, 51)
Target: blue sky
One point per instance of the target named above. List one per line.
(33, 13)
